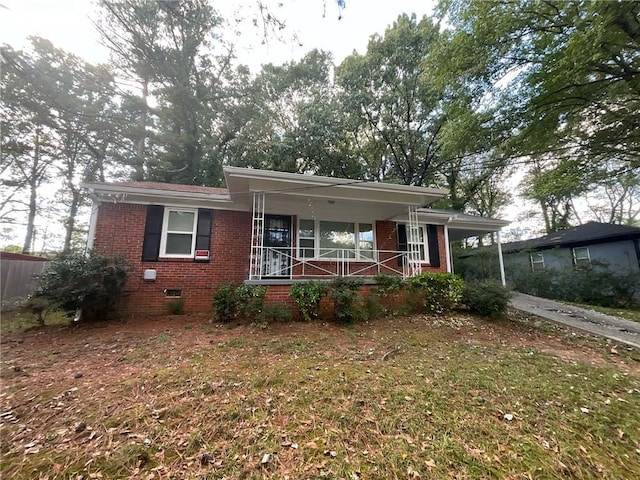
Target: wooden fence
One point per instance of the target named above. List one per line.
(17, 276)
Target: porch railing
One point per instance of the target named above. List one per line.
(285, 263)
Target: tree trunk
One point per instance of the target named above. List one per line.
(138, 174)
(70, 224)
(33, 184)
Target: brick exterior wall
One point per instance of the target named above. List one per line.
(120, 231)
(386, 238)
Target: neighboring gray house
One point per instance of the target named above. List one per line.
(592, 244)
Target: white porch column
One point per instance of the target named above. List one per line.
(447, 249)
(502, 276)
(257, 236)
(415, 266)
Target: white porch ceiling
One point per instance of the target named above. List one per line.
(312, 196)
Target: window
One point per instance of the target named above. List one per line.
(581, 257)
(416, 242)
(307, 239)
(327, 239)
(365, 240)
(537, 261)
(178, 233)
(337, 240)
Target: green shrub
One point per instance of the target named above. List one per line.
(388, 284)
(476, 263)
(250, 300)
(436, 292)
(540, 284)
(91, 284)
(387, 296)
(225, 302)
(307, 296)
(176, 307)
(37, 306)
(595, 286)
(345, 293)
(486, 297)
(275, 312)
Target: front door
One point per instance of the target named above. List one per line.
(276, 256)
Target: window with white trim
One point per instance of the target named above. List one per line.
(581, 257)
(417, 243)
(329, 239)
(178, 233)
(537, 261)
(306, 239)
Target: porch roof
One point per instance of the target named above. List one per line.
(325, 197)
(460, 225)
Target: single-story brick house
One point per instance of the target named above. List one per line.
(269, 228)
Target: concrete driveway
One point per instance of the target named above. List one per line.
(615, 328)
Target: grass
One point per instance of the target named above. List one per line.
(320, 402)
(16, 321)
(632, 314)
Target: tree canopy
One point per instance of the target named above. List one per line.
(478, 94)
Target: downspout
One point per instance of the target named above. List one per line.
(91, 235)
(93, 220)
(501, 259)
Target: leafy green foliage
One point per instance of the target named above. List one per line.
(37, 306)
(92, 283)
(345, 294)
(596, 286)
(225, 302)
(476, 264)
(436, 292)
(307, 296)
(387, 297)
(62, 123)
(176, 307)
(274, 312)
(486, 297)
(563, 77)
(250, 300)
(388, 284)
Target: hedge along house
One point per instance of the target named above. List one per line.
(269, 228)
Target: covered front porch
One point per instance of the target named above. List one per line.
(310, 227)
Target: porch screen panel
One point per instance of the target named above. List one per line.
(337, 240)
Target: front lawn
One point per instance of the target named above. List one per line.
(416, 397)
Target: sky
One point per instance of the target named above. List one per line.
(69, 25)
(315, 23)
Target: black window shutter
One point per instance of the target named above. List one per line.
(203, 232)
(434, 251)
(401, 228)
(152, 233)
